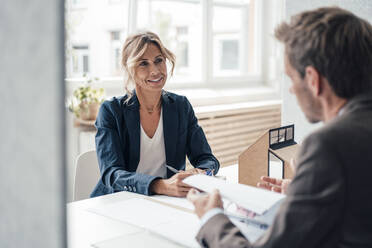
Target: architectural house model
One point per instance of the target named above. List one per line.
(270, 156)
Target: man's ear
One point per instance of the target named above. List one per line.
(312, 78)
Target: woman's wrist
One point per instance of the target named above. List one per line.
(157, 186)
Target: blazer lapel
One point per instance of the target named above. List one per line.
(132, 120)
(170, 128)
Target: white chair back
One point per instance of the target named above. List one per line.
(87, 175)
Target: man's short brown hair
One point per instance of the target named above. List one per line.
(335, 42)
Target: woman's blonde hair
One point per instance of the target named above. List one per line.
(134, 47)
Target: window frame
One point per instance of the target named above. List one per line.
(207, 78)
(79, 54)
(258, 79)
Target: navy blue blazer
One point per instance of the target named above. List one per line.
(118, 143)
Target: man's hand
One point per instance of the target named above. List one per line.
(274, 184)
(203, 203)
(277, 185)
(172, 186)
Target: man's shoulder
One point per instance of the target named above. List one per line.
(340, 130)
(326, 136)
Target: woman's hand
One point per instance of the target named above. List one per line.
(172, 186)
(195, 171)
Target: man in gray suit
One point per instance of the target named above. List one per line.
(328, 57)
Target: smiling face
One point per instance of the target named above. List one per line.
(150, 73)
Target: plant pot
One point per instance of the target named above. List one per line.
(88, 111)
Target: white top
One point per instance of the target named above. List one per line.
(152, 155)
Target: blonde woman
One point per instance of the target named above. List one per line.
(143, 137)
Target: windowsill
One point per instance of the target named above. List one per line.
(210, 96)
(202, 96)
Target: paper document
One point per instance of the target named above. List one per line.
(181, 201)
(251, 198)
(251, 232)
(139, 212)
(174, 201)
(138, 240)
(173, 224)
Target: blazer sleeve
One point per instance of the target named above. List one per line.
(309, 216)
(110, 156)
(198, 150)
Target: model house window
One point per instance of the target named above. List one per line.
(282, 144)
(281, 137)
(276, 166)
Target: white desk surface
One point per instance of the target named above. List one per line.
(85, 228)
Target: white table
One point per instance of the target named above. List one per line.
(86, 228)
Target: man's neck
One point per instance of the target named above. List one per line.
(332, 107)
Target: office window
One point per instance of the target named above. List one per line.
(228, 55)
(183, 55)
(182, 50)
(214, 40)
(102, 26)
(79, 3)
(115, 1)
(115, 35)
(228, 39)
(80, 60)
(117, 41)
(178, 25)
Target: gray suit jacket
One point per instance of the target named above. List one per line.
(329, 203)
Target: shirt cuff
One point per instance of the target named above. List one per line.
(208, 215)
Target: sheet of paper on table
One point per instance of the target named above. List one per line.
(251, 198)
(180, 201)
(173, 224)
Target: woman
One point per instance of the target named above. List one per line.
(141, 133)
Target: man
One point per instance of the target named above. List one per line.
(328, 57)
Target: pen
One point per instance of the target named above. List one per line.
(257, 223)
(209, 172)
(172, 169)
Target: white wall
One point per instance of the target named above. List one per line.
(291, 112)
(32, 205)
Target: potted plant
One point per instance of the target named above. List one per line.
(86, 100)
